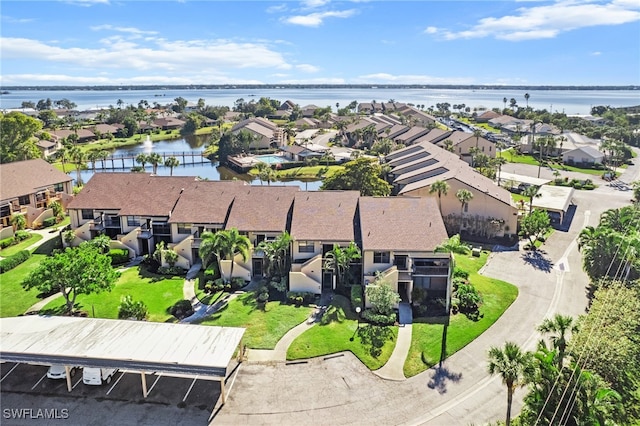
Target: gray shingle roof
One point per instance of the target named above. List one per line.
(25, 177)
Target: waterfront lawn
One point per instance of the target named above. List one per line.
(264, 326)
(309, 172)
(339, 331)
(156, 291)
(11, 250)
(426, 343)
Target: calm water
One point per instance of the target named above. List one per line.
(568, 101)
(208, 170)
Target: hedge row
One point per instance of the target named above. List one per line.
(11, 262)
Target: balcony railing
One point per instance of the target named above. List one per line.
(431, 270)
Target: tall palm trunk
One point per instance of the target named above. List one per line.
(509, 401)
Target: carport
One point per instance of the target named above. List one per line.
(529, 180)
(174, 349)
(554, 199)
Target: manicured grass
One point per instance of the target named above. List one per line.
(514, 157)
(305, 172)
(426, 343)
(157, 292)
(264, 326)
(373, 345)
(11, 250)
(15, 300)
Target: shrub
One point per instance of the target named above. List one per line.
(460, 273)
(211, 273)
(130, 309)
(51, 221)
(118, 256)
(300, 297)
(21, 235)
(356, 296)
(237, 283)
(12, 261)
(182, 309)
(378, 319)
(171, 257)
(7, 242)
(171, 270)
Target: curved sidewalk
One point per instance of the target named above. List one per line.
(394, 368)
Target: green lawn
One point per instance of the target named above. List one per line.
(304, 172)
(11, 250)
(157, 292)
(426, 343)
(373, 345)
(14, 300)
(264, 327)
(511, 156)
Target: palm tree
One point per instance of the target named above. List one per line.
(103, 156)
(276, 254)
(441, 188)
(504, 101)
(339, 259)
(142, 158)
(225, 244)
(62, 154)
(93, 156)
(531, 192)
(557, 327)
(526, 98)
(78, 158)
(269, 175)
(171, 162)
(499, 162)
(155, 159)
(512, 365)
(18, 221)
(260, 168)
(464, 196)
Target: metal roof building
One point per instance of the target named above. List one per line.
(133, 345)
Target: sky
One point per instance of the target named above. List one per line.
(110, 42)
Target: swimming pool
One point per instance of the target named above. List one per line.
(271, 159)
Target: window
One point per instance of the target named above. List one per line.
(184, 228)
(87, 214)
(306, 247)
(23, 200)
(58, 187)
(381, 257)
(466, 207)
(133, 220)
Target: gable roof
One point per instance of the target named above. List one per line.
(589, 150)
(133, 194)
(261, 208)
(205, 202)
(26, 177)
(400, 223)
(324, 215)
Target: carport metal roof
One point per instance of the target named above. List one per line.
(554, 198)
(504, 176)
(134, 345)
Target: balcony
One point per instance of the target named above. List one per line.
(431, 271)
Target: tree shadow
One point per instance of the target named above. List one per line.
(49, 246)
(440, 377)
(374, 337)
(537, 259)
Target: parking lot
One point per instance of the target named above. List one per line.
(192, 396)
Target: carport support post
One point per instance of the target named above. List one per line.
(143, 377)
(67, 370)
(223, 393)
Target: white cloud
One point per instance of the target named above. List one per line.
(314, 3)
(379, 78)
(317, 19)
(128, 30)
(319, 80)
(596, 53)
(12, 20)
(277, 8)
(307, 68)
(86, 3)
(179, 56)
(548, 21)
(64, 79)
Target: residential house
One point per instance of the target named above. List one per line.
(584, 156)
(84, 135)
(265, 133)
(169, 123)
(486, 116)
(28, 187)
(304, 152)
(399, 236)
(462, 144)
(408, 137)
(491, 213)
(320, 220)
(47, 148)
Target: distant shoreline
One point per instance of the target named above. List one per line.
(4, 89)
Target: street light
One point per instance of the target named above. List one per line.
(358, 309)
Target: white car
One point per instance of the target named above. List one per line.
(57, 371)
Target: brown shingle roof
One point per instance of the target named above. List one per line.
(206, 202)
(324, 215)
(133, 194)
(261, 208)
(25, 177)
(401, 223)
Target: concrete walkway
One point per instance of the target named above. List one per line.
(394, 368)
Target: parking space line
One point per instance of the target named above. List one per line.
(5, 376)
(77, 383)
(116, 382)
(154, 383)
(41, 379)
(186, 395)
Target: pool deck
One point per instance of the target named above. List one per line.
(245, 162)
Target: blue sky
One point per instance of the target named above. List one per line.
(110, 42)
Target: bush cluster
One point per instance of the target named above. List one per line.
(11, 262)
(356, 296)
(118, 256)
(182, 309)
(51, 221)
(19, 236)
(300, 297)
(171, 270)
(378, 319)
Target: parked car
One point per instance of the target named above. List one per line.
(58, 371)
(97, 376)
